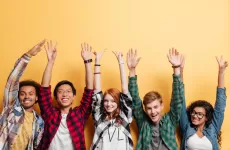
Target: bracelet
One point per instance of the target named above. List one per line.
(88, 61)
(97, 65)
(97, 73)
(121, 63)
(176, 66)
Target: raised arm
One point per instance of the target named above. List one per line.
(220, 104)
(98, 95)
(138, 111)
(97, 73)
(45, 102)
(124, 83)
(86, 102)
(178, 88)
(51, 54)
(184, 116)
(222, 66)
(12, 85)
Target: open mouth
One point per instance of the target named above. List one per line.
(64, 100)
(26, 101)
(154, 116)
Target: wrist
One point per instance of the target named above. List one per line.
(88, 61)
(221, 72)
(175, 66)
(132, 69)
(97, 61)
(28, 54)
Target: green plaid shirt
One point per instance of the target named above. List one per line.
(168, 122)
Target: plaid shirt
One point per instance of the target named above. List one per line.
(12, 116)
(168, 122)
(76, 118)
(101, 124)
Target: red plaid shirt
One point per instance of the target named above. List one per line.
(76, 118)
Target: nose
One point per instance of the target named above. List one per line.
(109, 103)
(152, 111)
(64, 93)
(26, 95)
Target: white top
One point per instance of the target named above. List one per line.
(62, 139)
(114, 138)
(196, 143)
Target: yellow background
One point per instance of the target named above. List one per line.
(199, 29)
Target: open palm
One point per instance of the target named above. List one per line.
(174, 57)
(222, 63)
(51, 51)
(132, 60)
(86, 51)
(37, 48)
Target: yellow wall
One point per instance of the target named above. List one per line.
(199, 29)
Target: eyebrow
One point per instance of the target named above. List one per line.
(28, 92)
(198, 112)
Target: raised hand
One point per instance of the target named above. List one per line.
(86, 51)
(222, 64)
(37, 48)
(51, 51)
(98, 56)
(119, 56)
(174, 57)
(132, 60)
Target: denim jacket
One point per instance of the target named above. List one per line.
(211, 132)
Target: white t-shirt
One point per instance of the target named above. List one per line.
(62, 139)
(114, 138)
(197, 143)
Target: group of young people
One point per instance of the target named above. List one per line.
(62, 127)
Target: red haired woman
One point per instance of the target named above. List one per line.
(112, 112)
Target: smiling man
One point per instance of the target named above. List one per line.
(156, 131)
(64, 126)
(20, 126)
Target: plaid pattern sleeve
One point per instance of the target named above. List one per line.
(45, 102)
(12, 85)
(76, 120)
(86, 103)
(96, 107)
(138, 111)
(126, 106)
(176, 100)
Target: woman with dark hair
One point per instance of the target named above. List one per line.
(112, 112)
(201, 123)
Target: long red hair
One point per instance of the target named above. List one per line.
(115, 93)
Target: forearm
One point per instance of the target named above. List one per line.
(221, 79)
(134, 91)
(47, 74)
(132, 72)
(88, 76)
(12, 84)
(176, 71)
(177, 99)
(97, 76)
(124, 83)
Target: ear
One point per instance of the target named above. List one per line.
(36, 98)
(162, 106)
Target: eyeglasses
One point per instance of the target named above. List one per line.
(67, 92)
(198, 114)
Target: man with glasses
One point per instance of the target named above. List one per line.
(64, 126)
